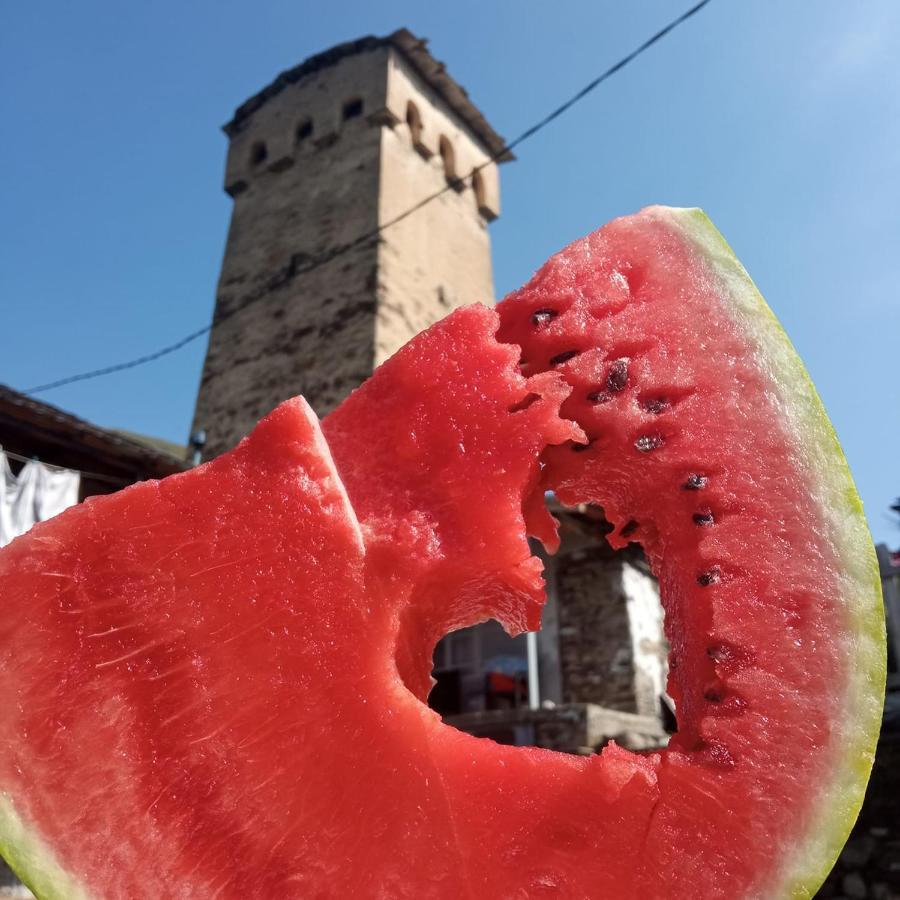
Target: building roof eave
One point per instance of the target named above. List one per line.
(414, 50)
(434, 73)
(43, 421)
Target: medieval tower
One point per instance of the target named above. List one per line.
(311, 295)
(324, 276)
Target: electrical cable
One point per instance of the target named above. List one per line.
(294, 269)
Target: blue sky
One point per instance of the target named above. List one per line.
(781, 119)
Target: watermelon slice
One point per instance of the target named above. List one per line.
(215, 683)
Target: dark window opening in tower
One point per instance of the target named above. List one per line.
(414, 121)
(478, 189)
(353, 108)
(259, 153)
(304, 130)
(448, 155)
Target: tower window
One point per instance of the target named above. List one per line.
(304, 130)
(353, 109)
(414, 121)
(258, 153)
(449, 158)
(478, 189)
(485, 210)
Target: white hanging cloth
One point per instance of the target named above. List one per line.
(36, 494)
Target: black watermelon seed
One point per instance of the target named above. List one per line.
(598, 397)
(541, 317)
(647, 442)
(704, 518)
(712, 695)
(657, 406)
(695, 482)
(629, 528)
(705, 579)
(618, 376)
(561, 358)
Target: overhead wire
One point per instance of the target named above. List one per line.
(296, 268)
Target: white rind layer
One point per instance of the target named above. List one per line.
(837, 804)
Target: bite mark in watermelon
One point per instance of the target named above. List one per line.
(215, 682)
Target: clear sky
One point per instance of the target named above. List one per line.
(780, 117)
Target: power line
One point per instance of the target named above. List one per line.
(299, 265)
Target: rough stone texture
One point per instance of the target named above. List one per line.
(609, 621)
(601, 639)
(595, 653)
(288, 322)
(440, 257)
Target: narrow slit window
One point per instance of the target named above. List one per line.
(304, 130)
(353, 109)
(259, 153)
(478, 190)
(449, 159)
(414, 121)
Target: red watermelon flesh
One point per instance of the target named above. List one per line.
(216, 681)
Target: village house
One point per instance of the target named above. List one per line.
(37, 439)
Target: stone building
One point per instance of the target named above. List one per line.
(323, 278)
(598, 664)
(108, 460)
(310, 299)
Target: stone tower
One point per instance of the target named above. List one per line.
(326, 154)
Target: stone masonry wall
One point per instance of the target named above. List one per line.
(324, 181)
(595, 649)
(309, 332)
(605, 618)
(440, 257)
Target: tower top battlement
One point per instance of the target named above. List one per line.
(415, 51)
(380, 82)
(331, 150)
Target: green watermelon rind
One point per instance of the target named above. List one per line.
(32, 859)
(837, 804)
